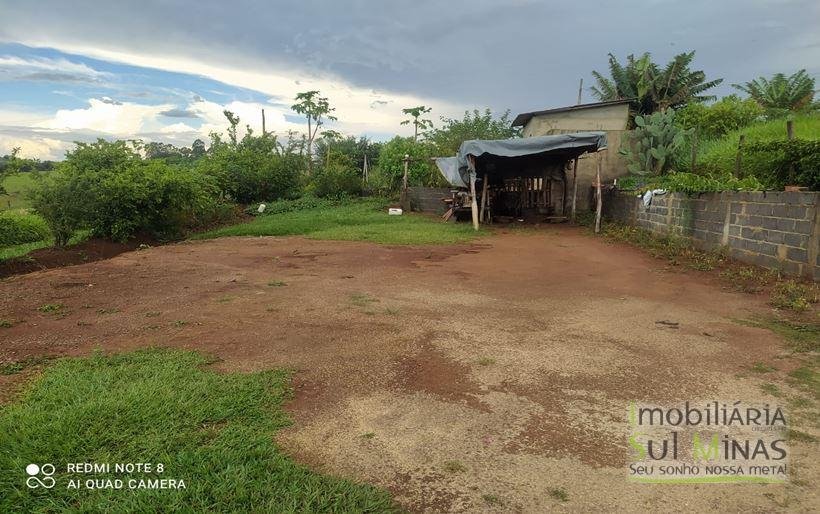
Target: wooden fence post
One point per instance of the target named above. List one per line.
(738, 158)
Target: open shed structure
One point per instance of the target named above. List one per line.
(519, 178)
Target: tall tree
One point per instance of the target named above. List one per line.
(314, 108)
(419, 123)
(793, 93)
(650, 87)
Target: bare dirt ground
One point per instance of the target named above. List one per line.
(476, 377)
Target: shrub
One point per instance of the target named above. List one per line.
(712, 121)
(109, 189)
(793, 162)
(421, 170)
(336, 179)
(252, 169)
(303, 203)
(18, 228)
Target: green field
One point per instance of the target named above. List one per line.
(16, 186)
(211, 430)
(362, 220)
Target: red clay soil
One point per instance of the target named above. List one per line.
(47, 258)
(474, 377)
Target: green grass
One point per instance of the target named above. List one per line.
(214, 431)
(720, 154)
(559, 493)
(17, 186)
(800, 337)
(21, 250)
(362, 220)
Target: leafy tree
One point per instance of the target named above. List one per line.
(314, 108)
(650, 87)
(791, 93)
(352, 147)
(475, 125)
(419, 123)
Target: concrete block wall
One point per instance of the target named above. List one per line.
(428, 199)
(776, 230)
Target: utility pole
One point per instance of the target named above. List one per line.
(263, 122)
(580, 90)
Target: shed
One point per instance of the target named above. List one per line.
(611, 118)
(521, 178)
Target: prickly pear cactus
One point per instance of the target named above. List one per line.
(650, 146)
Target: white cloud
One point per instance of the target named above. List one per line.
(119, 119)
(360, 110)
(42, 68)
(178, 128)
(40, 147)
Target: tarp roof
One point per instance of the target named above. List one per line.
(564, 146)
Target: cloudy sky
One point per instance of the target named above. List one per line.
(160, 70)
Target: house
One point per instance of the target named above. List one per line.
(609, 117)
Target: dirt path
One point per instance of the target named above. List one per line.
(468, 378)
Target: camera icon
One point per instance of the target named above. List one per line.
(40, 476)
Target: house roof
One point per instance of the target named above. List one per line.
(525, 117)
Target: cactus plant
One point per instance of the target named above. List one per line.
(649, 147)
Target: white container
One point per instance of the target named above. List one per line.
(261, 208)
(394, 211)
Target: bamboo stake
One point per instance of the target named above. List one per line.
(483, 199)
(574, 187)
(598, 195)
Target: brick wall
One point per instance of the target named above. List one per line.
(777, 230)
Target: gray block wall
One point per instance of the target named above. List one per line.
(428, 199)
(777, 230)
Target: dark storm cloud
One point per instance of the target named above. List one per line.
(48, 76)
(503, 54)
(179, 113)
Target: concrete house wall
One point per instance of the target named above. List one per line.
(611, 119)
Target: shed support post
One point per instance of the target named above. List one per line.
(599, 200)
(473, 201)
(482, 218)
(574, 187)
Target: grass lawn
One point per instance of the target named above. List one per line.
(17, 186)
(214, 431)
(361, 220)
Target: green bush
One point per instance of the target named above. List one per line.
(252, 169)
(107, 188)
(421, 169)
(794, 162)
(715, 120)
(18, 228)
(337, 178)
